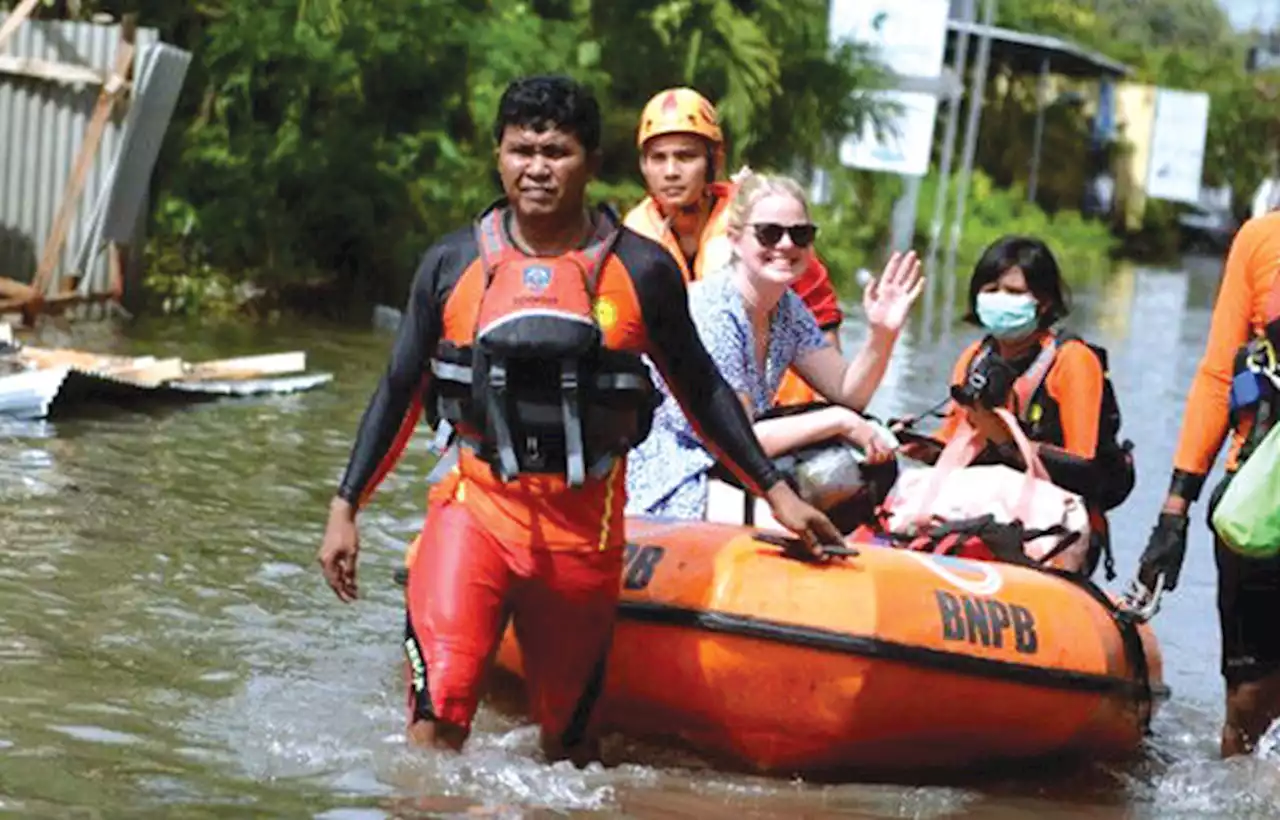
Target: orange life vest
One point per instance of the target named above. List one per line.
(537, 391)
(714, 251)
(1037, 412)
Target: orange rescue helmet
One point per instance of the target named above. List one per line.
(679, 111)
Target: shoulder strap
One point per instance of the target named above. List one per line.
(1026, 386)
(607, 233)
(980, 352)
(491, 238)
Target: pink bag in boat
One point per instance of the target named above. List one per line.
(953, 491)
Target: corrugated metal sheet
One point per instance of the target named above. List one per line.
(159, 84)
(42, 126)
(118, 214)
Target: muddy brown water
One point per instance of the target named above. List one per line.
(168, 649)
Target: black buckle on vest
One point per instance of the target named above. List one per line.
(575, 456)
(495, 405)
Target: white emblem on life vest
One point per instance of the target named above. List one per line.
(537, 278)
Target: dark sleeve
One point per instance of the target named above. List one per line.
(675, 347)
(389, 420)
(1082, 476)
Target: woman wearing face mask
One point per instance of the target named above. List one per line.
(1052, 381)
(755, 328)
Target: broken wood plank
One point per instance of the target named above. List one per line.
(71, 196)
(82, 360)
(68, 73)
(15, 19)
(248, 367)
(151, 373)
(14, 288)
(148, 371)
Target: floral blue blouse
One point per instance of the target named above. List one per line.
(667, 472)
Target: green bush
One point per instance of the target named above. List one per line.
(1084, 249)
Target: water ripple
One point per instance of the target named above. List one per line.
(168, 646)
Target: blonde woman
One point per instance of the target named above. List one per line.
(755, 328)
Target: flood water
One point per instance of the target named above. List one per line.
(168, 647)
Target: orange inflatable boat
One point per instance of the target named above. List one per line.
(887, 660)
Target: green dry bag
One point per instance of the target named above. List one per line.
(1247, 518)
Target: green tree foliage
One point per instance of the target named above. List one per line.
(1123, 29)
(330, 141)
(1183, 24)
(323, 144)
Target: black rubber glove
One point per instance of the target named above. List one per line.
(1165, 550)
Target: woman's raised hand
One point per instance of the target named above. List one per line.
(888, 299)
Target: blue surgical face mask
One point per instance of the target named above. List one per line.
(1008, 315)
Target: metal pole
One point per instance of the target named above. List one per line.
(959, 61)
(970, 147)
(1042, 91)
(903, 222)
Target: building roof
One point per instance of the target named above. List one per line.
(1024, 52)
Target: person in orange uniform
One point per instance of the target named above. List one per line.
(681, 153)
(1053, 382)
(1247, 311)
(525, 332)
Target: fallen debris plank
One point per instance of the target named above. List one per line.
(150, 373)
(248, 367)
(276, 385)
(57, 357)
(14, 288)
(68, 73)
(59, 391)
(151, 369)
(49, 381)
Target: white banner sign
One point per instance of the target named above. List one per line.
(1177, 145)
(905, 153)
(909, 38)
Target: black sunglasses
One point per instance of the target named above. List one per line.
(770, 234)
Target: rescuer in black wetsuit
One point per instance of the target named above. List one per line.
(547, 549)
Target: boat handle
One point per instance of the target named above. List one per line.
(791, 544)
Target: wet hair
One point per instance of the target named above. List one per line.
(1037, 264)
(546, 102)
(753, 187)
